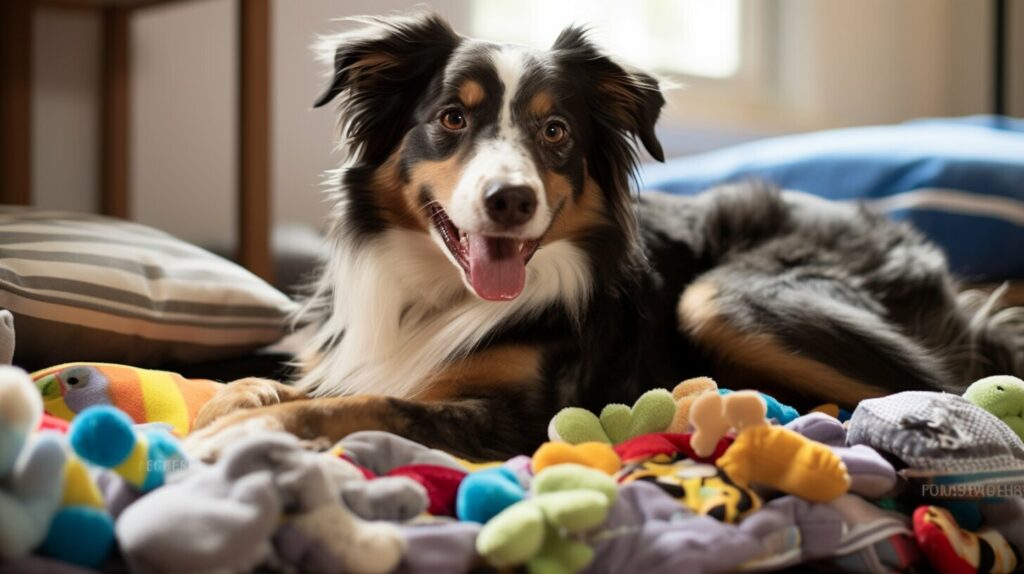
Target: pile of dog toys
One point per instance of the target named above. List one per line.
(697, 479)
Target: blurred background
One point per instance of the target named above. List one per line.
(156, 99)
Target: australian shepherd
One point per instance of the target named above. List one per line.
(489, 264)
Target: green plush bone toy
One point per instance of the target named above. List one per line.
(567, 499)
(1003, 396)
(652, 412)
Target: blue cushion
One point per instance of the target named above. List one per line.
(960, 181)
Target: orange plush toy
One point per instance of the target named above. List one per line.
(147, 396)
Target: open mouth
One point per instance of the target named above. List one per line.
(494, 266)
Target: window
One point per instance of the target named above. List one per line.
(690, 38)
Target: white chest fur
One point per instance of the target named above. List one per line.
(405, 312)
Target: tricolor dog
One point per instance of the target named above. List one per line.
(489, 263)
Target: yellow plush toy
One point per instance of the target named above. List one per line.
(773, 456)
(598, 455)
(147, 396)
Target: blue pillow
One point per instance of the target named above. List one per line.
(959, 181)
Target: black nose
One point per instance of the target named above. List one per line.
(510, 205)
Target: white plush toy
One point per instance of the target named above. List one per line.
(31, 466)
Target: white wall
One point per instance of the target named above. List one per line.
(65, 110)
(183, 120)
(844, 62)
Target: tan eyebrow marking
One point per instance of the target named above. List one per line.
(541, 104)
(471, 93)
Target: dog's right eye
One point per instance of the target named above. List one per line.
(453, 119)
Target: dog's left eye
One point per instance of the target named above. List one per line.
(555, 132)
(453, 119)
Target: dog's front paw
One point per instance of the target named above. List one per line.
(208, 443)
(239, 395)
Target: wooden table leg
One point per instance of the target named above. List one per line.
(253, 138)
(115, 148)
(16, 102)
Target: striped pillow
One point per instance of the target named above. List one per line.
(92, 288)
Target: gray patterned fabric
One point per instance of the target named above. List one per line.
(937, 432)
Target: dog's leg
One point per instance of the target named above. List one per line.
(802, 343)
(493, 427)
(245, 394)
(489, 404)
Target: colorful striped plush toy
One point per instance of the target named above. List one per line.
(147, 396)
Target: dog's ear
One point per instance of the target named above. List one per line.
(380, 70)
(626, 100)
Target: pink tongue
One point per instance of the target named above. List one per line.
(496, 270)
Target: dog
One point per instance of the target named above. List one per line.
(489, 264)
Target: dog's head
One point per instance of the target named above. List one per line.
(492, 151)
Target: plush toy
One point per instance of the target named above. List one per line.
(647, 533)
(703, 488)
(769, 455)
(486, 493)
(147, 396)
(874, 539)
(82, 530)
(652, 412)
(266, 492)
(666, 447)
(380, 454)
(952, 550)
(780, 413)
(684, 394)
(395, 498)
(833, 410)
(713, 415)
(568, 499)
(30, 467)
(597, 455)
(1003, 396)
(47, 499)
(105, 436)
(6, 337)
(942, 439)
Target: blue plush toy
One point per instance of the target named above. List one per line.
(484, 494)
(105, 436)
(82, 530)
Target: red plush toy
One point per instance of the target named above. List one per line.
(952, 550)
